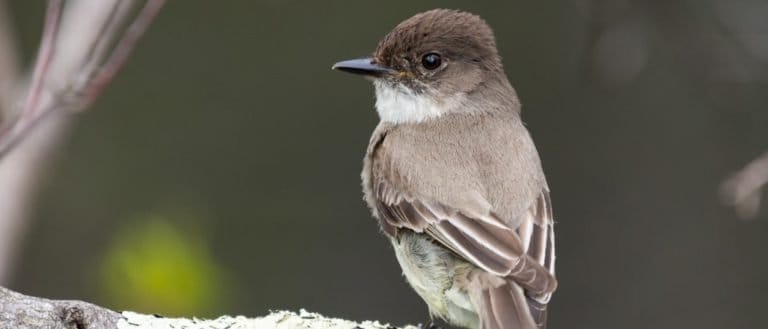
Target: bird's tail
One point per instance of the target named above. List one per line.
(502, 304)
(538, 312)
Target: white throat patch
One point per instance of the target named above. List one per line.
(398, 104)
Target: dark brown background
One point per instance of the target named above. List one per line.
(639, 109)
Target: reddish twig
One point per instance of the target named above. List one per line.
(125, 45)
(100, 47)
(44, 56)
(89, 80)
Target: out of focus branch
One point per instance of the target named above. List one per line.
(20, 311)
(72, 66)
(9, 223)
(84, 44)
(744, 190)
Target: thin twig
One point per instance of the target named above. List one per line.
(124, 47)
(11, 139)
(743, 190)
(101, 46)
(44, 57)
(77, 94)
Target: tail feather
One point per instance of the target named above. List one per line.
(538, 312)
(502, 304)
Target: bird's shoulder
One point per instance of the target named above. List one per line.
(456, 161)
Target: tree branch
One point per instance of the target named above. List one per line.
(84, 44)
(20, 171)
(20, 311)
(72, 67)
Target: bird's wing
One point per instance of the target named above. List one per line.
(524, 254)
(502, 304)
(538, 231)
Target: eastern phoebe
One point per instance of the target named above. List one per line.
(453, 176)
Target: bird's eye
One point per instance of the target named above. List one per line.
(431, 61)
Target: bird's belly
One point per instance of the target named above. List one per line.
(434, 272)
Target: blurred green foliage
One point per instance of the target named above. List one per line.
(156, 267)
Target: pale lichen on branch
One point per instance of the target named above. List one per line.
(20, 311)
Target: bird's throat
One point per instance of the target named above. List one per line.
(399, 104)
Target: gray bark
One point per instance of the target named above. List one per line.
(18, 311)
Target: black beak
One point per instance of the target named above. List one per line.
(362, 66)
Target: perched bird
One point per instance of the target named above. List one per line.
(453, 177)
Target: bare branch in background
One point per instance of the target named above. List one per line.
(72, 68)
(12, 181)
(744, 190)
(84, 44)
(44, 58)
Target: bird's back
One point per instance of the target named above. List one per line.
(460, 162)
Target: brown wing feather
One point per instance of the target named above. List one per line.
(541, 248)
(538, 231)
(501, 303)
(483, 240)
(504, 304)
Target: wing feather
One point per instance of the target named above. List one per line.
(482, 239)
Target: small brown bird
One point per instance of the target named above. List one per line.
(453, 176)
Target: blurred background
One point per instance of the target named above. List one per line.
(219, 173)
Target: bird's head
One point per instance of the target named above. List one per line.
(428, 64)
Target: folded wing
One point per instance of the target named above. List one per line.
(525, 254)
